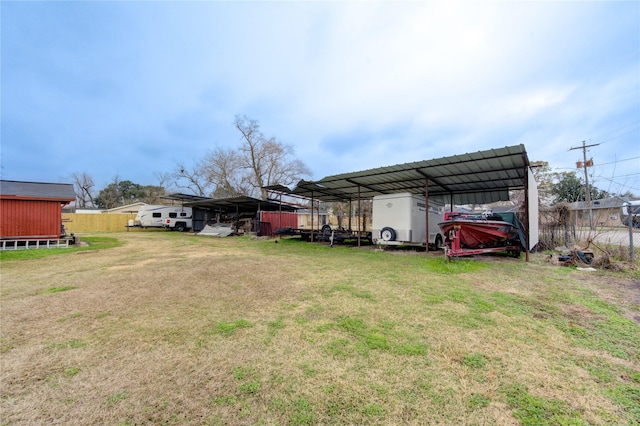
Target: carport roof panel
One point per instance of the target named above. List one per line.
(241, 203)
(183, 198)
(479, 177)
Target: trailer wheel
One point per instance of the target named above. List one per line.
(180, 227)
(438, 244)
(326, 229)
(388, 234)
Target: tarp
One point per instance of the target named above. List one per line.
(217, 230)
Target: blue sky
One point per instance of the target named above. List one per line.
(130, 89)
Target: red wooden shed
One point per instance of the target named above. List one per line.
(32, 210)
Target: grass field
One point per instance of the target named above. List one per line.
(167, 328)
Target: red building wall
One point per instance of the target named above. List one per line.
(280, 220)
(30, 219)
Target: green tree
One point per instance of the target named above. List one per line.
(570, 188)
(123, 192)
(151, 194)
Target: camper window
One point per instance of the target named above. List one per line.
(157, 214)
(173, 215)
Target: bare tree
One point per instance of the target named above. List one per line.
(258, 163)
(165, 180)
(194, 180)
(266, 161)
(84, 187)
(223, 169)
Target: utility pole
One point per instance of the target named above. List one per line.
(586, 164)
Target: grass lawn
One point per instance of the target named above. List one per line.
(169, 328)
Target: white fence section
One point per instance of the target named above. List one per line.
(33, 244)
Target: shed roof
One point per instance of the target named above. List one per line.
(10, 189)
(476, 178)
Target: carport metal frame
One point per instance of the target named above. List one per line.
(237, 205)
(475, 178)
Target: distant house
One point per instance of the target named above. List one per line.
(605, 212)
(32, 210)
(306, 220)
(128, 209)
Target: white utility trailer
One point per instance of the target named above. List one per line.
(399, 219)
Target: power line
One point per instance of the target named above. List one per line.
(621, 185)
(620, 128)
(618, 161)
(630, 174)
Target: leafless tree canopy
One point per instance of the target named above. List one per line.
(228, 172)
(266, 161)
(223, 169)
(192, 180)
(247, 170)
(165, 181)
(84, 187)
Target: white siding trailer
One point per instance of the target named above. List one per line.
(176, 218)
(399, 219)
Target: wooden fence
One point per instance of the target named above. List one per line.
(104, 222)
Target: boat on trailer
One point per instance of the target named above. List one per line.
(472, 234)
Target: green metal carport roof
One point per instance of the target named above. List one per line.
(475, 178)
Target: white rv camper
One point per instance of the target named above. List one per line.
(399, 219)
(177, 218)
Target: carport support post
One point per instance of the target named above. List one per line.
(426, 214)
(630, 226)
(279, 216)
(237, 217)
(359, 217)
(311, 216)
(526, 209)
(257, 221)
